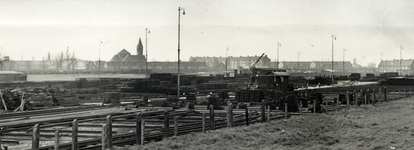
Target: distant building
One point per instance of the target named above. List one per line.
(403, 67)
(125, 61)
(233, 62)
(317, 66)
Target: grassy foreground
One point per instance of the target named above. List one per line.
(384, 126)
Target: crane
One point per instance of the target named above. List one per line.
(255, 63)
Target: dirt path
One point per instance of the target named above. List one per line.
(384, 126)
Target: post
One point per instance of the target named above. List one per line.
(75, 134)
(399, 93)
(212, 125)
(347, 99)
(0, 145)
(355, 98)
(263, 111)
(166, 124)
(109, 130)
(410, 92)
(138, 128)
(176, 126)
(367, 98)
(142, 132)
(385, 93)
(203, 123)
(393, 94)
(57, 140)
(268, 113)
(250, 116)
(374, 96)
(36, 138)
(229, 115)
(286, 111)
(247, 115)
(104, 136)
(314, 106)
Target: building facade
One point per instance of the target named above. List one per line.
(402, 66)
(233, 62)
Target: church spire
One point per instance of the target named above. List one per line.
(140, 48)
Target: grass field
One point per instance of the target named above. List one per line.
(385, 126)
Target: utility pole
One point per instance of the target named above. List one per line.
(332, 77)
(401, 47)
(146, 50)
(277, 61)
(178, 75)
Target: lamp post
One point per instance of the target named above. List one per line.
(178, 75)
(401, 47)
(298, 61)
(99, 61)
(343, 61)
(227, 49)
(146, 49)
(332, 77)
(277, 60)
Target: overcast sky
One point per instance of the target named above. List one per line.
(368, 29)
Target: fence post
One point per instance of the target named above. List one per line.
(229, 115)
(410, 92)
(0, 144)
(362, 98)
(300, 109)
(75, 134)
(385, 94)
(393, 93)
(109, 130)
(166, 124)
(367, 98)
(314, 106)
(203, 123)
(347, 99)
(263, 111)
(379, 95)
(104, 136)
(36, 138)
(247, 115)
(286, 111)
(142, 132)
(355, 98)
(138, 128)
(268, 113)
(250, 116)
(57, 140)
(176, 126)
(399, 93)
(374, 96)
(212, 125)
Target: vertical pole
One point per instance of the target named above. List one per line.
(263, 111)
(367, 100)
(109, 130)
(0, 144)
(314, 106)
(268, 113)
(212, 125)
(337, 103)
(355, 98)
(286, 111)
(374, 96)
(104, 137)
(385, 94)
(57, 140)
(229, 115)
(203, 123)
(347, 99)
(142, 132)
(36, 138)
(379, 95)
(176, 126)
(75, 134)
(138, 128)
(250, 116)
(300, 108)
(166, 124)
(410, 92)
(247, 115)
(393, 94)
(399, 93)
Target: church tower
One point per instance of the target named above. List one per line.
(140, 48)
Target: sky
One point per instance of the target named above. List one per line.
(365, 30)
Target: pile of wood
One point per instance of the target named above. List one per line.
(17, 99)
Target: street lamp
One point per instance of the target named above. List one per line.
(298, 61)
(401, 47)
(178, 75)
(146, 49)
(99, 61)
(343, 60)
(227, 49)
(277, 61)
(332, 77)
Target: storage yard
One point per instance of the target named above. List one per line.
(111, 112)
